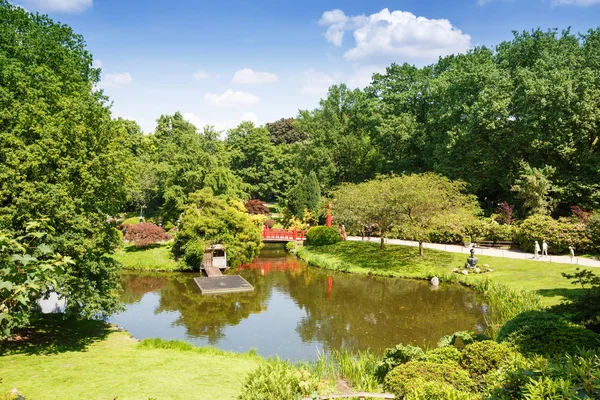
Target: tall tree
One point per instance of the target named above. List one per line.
(285, 130)
(64, 162)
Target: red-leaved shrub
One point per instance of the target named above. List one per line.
(144, 234)
(257, 207)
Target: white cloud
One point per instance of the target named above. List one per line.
(396, 35)
(67, 6)
(250, 116)
(316, 82)
(583, 3)
(116, 79)
(250, 76)
(230, 98)
(363, 74)
(97, 64)
(201, 75)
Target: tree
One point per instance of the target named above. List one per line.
(413, 205)
(305, 195)
(533, 189)
(285, 130)
(63, 161)
(209, 219)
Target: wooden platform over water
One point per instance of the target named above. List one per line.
(223, 284)
(212, 271)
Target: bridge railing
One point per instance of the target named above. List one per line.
(283, 234)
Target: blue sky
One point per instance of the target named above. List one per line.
(219, 62)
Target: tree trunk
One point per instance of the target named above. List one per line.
(421, 248)
(382, 242)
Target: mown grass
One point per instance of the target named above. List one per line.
(91, 360)
(541, 277)
(152, 258)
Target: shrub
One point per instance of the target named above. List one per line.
(408, 378)
(144, 234)
(397, 355)
(292, 247)
(593, 231)
(479, 358)
(547, 334)
(460, 339)
(322, 235)
(443, 355)
(270, 223)
(257, 207)
(278, 380)
(438, 391)
(559, 234)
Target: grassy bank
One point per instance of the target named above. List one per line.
(90, 360)
(152, 258)
(543, 278)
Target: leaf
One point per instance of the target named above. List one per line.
(6, 285)
(44, 249)
(25, 260)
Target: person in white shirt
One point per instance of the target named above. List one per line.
(544, 249)
(536, 250)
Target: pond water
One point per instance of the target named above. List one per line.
(297, 312)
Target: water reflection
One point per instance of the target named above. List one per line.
(296, 311)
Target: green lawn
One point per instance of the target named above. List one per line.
(154, 258)
(90, 360)
(402, 261)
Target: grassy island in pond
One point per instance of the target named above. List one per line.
(400, 261)
(91, 359)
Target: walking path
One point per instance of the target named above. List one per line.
(586, 262)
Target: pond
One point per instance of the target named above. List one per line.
(297, 312)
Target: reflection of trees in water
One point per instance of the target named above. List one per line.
(359, 312)
(206, 316)
(135, 285)
(368, 312)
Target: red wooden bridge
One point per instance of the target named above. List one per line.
(282, 235)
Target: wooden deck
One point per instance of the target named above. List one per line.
(223, 284)
(212, 271)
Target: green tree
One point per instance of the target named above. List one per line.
(210, 220)
(413, 205)
(533, 189)
(305, 195)
(63, 160)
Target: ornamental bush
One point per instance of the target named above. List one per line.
(438, 391)
(479, 358)
(559, 234)
(547, 334)
(257, 207)
(460, 339)
(408, 378)
(443, 355)
(322, 235)
(145, 234)
(395, 356)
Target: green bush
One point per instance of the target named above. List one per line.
(278, 380)
(443, 355)
(460, 339)
(479, 358)
(547, 334)
(489, 229)
(395, 356)
(438, 391)
(408, 378)
(559, 234)
(322, 235)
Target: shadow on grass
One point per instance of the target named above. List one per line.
(567, 294)
(51, 334)
(133, 248)
(390, 258)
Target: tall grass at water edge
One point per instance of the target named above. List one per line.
(356, 369)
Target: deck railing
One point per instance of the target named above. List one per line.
(283, 234)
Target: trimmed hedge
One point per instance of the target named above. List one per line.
(322, 235)
(409, 378)
(547, 334)
(395, 356)
(443, 355)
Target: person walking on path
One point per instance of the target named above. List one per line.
(536, 250)
(572, 253)
(544, 248)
